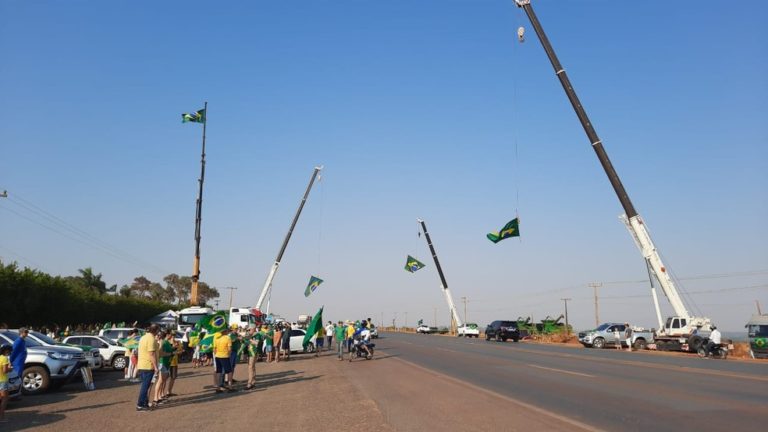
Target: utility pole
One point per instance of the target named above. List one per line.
(759, 312)
(464, 299)
(595, 286)
(435, 317)
(381, 323)
(567, 329)
(231, 290)
(394, 321)
(406, 320)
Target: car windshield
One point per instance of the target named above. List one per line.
(756, 330)
(13, 336)
(602, 327)
(43, 338)
(509, 324)
(106, 341)
(191, 319)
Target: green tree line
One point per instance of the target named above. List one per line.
(32, 297)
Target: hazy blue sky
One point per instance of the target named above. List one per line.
(417, 109)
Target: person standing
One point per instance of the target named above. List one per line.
(276, 338)
(617, 337)
(146, 366)
(236, 343)
(268, 341)
(329, 334)
(339, 335)
(222, 350)
(628, 336)
(5, 367)
(164, 355)
(285, 340)
(253, 343)
(319, 340)
(19, 351)
(178, 350)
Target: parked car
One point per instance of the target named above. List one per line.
(14, 384)
(45, 365)
(91, 354)
(468, 330)
(425, 329)
(117, 333)
(502, 330)
(297, 338)
(605, 334)
(112, 354)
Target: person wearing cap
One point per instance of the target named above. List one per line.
(339, 335)
(222, 350)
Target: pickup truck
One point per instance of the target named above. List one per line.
(46, 365)
(468, 330)
(425, 329)
(605, 335)
(112, 354)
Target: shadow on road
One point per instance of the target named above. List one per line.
(28, 420)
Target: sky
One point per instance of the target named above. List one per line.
(416, 109)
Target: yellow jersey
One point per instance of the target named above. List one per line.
(147, 349)
(222, 346)
(4, 362)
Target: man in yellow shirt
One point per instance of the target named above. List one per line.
(146, 365)
(222, 350)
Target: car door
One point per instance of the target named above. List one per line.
(297, 337)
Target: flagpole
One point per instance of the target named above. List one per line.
(198, 216)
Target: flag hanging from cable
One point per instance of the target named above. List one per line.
(412, 264)
(314, 282)
(511, 229)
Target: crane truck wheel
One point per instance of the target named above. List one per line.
(694, 342)
(598, 343)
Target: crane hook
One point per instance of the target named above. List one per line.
(521, 34)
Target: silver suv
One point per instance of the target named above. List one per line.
(45, 365)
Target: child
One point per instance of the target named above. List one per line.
(5, 367)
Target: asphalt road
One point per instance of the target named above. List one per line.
(606, 389)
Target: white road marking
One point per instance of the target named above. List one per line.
(562, 371)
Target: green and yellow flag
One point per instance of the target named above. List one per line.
(214, 323)
(195, 117)
(412, 264)
(314, 327)
(511, 229)
(314, 282)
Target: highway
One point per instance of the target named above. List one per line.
(605, 389)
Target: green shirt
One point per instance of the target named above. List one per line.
(167, 347)
(339, 333)
(269, 336)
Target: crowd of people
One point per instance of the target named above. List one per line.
(154, 362)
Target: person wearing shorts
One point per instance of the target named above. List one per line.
(5, 367)
(222, 350)
(268, 337)
(164, 353)
(178, 349)
(285, 341)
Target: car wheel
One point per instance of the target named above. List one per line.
(515, 339)
(498, 337)
(598, 343)
(640, 344)
(694, 342)
(120, 362)
(36, 380)
(310, 348)
(487, 337)
(503, 339)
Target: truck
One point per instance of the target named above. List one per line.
(190, 316)
(683, 331)
(468, 330)
(605, 335)
(757, 333)
(243, 317)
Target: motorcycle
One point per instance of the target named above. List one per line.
(719, 351)
(359, 352)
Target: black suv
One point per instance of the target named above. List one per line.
(502, 330)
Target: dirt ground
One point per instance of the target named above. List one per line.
(304, 394)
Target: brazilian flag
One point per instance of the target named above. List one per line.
(206, 345)
(214, 323)
(195, 117)
(412, 264)
(314, 327)
(314, 282)
(511, 229)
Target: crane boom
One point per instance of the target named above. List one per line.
(631, 218)
(273, 270)
(443, 283)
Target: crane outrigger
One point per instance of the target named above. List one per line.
(678, 331)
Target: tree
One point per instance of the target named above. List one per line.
(125, 291)
(88, 279)
(141, 286)
(181, 286)
(205, 292)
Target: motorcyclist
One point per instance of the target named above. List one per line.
(361, 338)
(714, 340)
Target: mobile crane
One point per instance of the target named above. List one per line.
(679, 331)
(443, 284)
